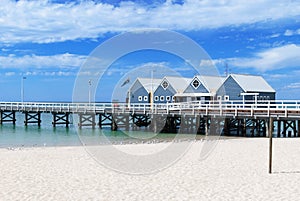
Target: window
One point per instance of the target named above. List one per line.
(145, 98)
(226, 98)
(165, 84)
(140, 98)
(173, 98)
(168, 98)
(162, 98)
(219, 98)
(156, 98)
(196, 83)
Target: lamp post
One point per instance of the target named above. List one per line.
(90, 84)
(151, 97)
(129, 97)
(22, 88)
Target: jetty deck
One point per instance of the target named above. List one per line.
(200, 116)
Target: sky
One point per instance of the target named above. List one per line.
(48, 41)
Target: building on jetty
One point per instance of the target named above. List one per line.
(246, 88)
(169, 87)
(141, 89)
(201, 88)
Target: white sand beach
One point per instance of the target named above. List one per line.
(237, 169)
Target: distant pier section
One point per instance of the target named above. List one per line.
(202, 117)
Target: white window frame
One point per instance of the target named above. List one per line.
(145, 98)
(140, 98)
(197, 81)
(173, 98)
(226, 98)
(219, 98)
(168, 98)
(156, 98)
(162, 84)
(162, 98)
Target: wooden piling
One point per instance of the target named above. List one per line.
(278, 128)
(60, 118)
(8, 116)
(86, 120)
(298, 128)
(32, 118)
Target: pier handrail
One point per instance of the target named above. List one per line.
(267, 108)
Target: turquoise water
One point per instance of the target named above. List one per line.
(18, 136)
(21, 136)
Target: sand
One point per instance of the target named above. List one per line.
(237, 169)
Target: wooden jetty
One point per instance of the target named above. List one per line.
(212, 117)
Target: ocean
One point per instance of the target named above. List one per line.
(20, 135)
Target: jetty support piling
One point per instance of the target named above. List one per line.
(105, 119)
(298, 128)
(207, 123)
(120, 121)
(32, 118)
(86, 120)
(141, 120)
(278, 128)
(60, 118)
(8, 116)
(287, 128)
(201, 125)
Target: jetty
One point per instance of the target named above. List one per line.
(241, 118)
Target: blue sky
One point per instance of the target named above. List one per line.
(48, 41)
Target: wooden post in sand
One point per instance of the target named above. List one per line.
(270, 133)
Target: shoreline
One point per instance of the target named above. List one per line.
(130, 142)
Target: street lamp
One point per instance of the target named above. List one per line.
(90, 84)
(152, 95)
(22, 88)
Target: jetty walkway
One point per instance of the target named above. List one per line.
(230, 117)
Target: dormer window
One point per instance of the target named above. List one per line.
(196, 83)
(165, 84)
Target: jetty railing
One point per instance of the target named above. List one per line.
(277, 108)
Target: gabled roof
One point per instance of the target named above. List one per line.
(212, 83)
(148, 83)
(179, 84)
(252, 83)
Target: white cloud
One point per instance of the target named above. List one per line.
(277, 76)
(43, 22)
(295, 85)
(10, 73)
(45, 73)
(275, 35)
(68, 61)
(289, 32)
(274, 58)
